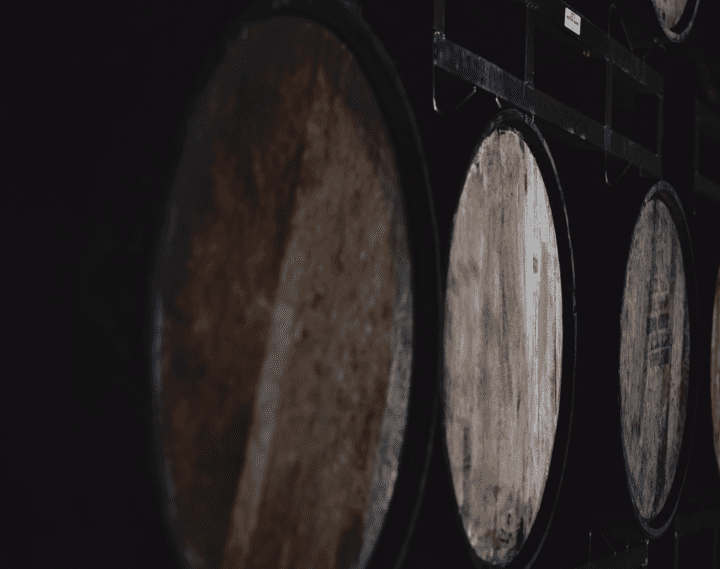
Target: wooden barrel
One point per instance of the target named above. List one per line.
(676, 17)
(654, 353)
(509, 344)
(649, 22)
(296, 317)
(715, 371)
(648, 413)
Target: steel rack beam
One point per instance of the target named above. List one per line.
(481, 73)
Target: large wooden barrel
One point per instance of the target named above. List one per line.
(649, 22)
(676, 17)
(509, 345)
(296, 317)
(654, 353)
(648, 390)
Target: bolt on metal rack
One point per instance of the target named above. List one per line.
(622, 66)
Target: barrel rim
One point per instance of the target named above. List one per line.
(423, 248)
(639, 527)
(524, 125)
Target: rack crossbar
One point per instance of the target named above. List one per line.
(476, 70)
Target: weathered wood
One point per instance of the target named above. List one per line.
(295, 317)
(654, 358)
(669, 12)
(503, 344)
(715, 370)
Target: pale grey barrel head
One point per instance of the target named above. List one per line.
(503, 346)
(654, 358)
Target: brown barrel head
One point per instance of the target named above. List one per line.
(503, 346)
(286, 364)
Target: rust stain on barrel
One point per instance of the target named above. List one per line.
(715, 370)
(287, 364)
(503, 346)
(654, 352)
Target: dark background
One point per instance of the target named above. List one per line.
(96, 102)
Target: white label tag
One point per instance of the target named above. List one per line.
(572, 21)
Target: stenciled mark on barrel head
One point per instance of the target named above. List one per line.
(658, 324)
(505, 536)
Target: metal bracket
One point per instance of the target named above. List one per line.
(622, 25)
(607, 180)
(438, 34)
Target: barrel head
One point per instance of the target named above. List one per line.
(283, 326)
(654, 358)
(503, 346)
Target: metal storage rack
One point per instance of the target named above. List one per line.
(590, 41)
(578, 129)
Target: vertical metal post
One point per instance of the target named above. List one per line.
(696, 168)
(660, 119)
(608, 109)
(439, 15)
(608, 92)
(680, 88)
(530, 22)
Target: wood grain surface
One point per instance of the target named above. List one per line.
(669, 11)
(286, 369)
(654, 354)
(715, 370)
(503, 346)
